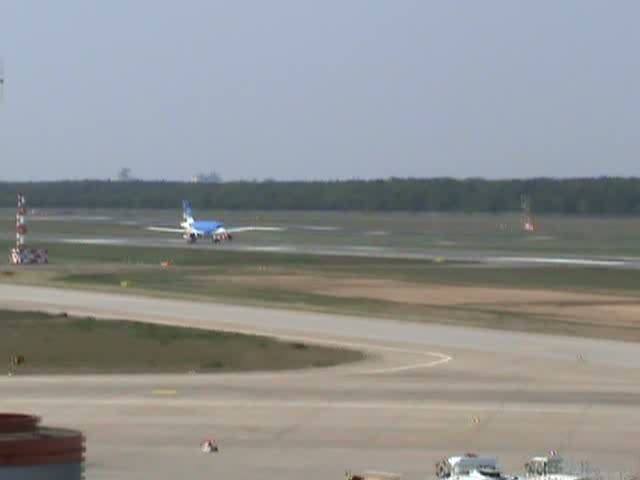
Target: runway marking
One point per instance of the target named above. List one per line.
(317, 228)
(561, 261)
(441, 357)
(95, 241)
(404, 368)
(164, 392)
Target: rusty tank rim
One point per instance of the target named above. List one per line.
(17, 422)
(23, 442)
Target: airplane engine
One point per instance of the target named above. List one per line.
(221, 236)
(191, 238)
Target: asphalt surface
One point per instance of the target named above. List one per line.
(425, 392)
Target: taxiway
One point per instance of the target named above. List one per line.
(426, 391)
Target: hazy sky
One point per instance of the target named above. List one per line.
(325, 89)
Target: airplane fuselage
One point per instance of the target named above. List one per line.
(205, 229)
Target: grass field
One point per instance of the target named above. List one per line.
(596, 302)
(586, 302)
(60, 344)
(229, 275)
(593, 302)
(109, 265)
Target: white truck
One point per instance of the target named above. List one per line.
(470, 467)
(550, 467)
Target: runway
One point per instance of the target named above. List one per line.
(487, 257)
(499, 258)
(426, 391)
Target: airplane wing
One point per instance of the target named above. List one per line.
(165, 229)
(254, 229)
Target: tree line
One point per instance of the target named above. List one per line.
(604, 195)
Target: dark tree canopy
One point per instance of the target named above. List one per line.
(605, 195)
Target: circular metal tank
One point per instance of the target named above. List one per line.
(29, 451)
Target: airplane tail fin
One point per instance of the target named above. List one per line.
(187, 211)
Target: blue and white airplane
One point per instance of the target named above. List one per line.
(192, 229)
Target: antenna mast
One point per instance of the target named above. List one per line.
(527, 218)
(1, 80)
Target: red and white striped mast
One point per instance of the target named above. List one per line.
(21, 226)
